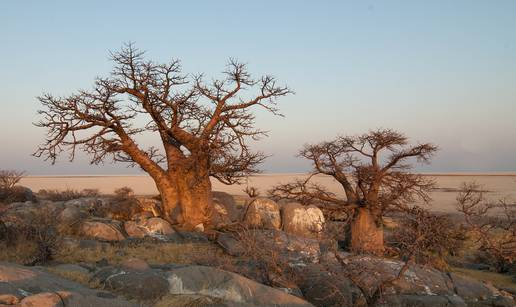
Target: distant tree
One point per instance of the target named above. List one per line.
(9, 178)
(204, 128)
(374, 172)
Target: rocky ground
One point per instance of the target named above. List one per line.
(100, 250)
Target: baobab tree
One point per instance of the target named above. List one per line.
(374, 172)
(204, 128)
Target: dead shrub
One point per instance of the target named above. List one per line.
(267, 264)
(252, 192)
(9, 178)
(425, 237)
(492, 225)
(32, 243)
(65, 195)
(124, 193)
(9, 192)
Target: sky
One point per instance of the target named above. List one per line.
(438, 71)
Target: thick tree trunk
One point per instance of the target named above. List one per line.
(366, 233)
(186, 198)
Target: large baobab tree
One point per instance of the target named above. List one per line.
(204, 128)
(374, 171)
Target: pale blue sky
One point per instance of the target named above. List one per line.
(439, 71)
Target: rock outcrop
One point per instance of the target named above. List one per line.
(101, 229)
(263, 213)
(306, 221)
(35, 287)
(227, 286)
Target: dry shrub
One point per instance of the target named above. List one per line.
(263, 262)
(426, 238)
(492, 225)
(124, 193)
(252, 192)
(32, 243)
(9, 178)
(68, 194)
(9, 192)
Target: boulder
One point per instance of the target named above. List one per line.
(322, 287)
(35, 287)
(87, 204)
(17, 194)
(306, 221)
(118, 209)
(134, 230)
(135, 264)
(142, 216)
(263, 213)
(421, 300)
(71, 215)
(149, 205)
(140, 285)
(291, 249)
(227, 286)
(419, 285)
(157, 226)
(224, 210)
(103, 230)
(71, 268)
(474, 292)
(224, 198)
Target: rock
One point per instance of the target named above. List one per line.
(224, 209)
(421, 301)
(40, 288)
(26, 213)
(231, 245)
(150, 205)
(230, 287)
(17, 194)
(86, 204)
(71, 268)
(101, 230)
(224, 198)
(134, 230)
(140, 285)
(45, 299)
(9, 299)
(475, 292)
(71, 215)
(419, 285)
(118, 209)
(135, 264)
(325, 288)
(263, 213)
(157, 226)
(191, 300)
(292, 249)
(142, 216)
(306, 221)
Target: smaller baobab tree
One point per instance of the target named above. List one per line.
(204, 128)
(374, 172)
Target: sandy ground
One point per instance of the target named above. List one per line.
(498, 185)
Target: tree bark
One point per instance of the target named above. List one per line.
(366, 233)
(186, 198)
